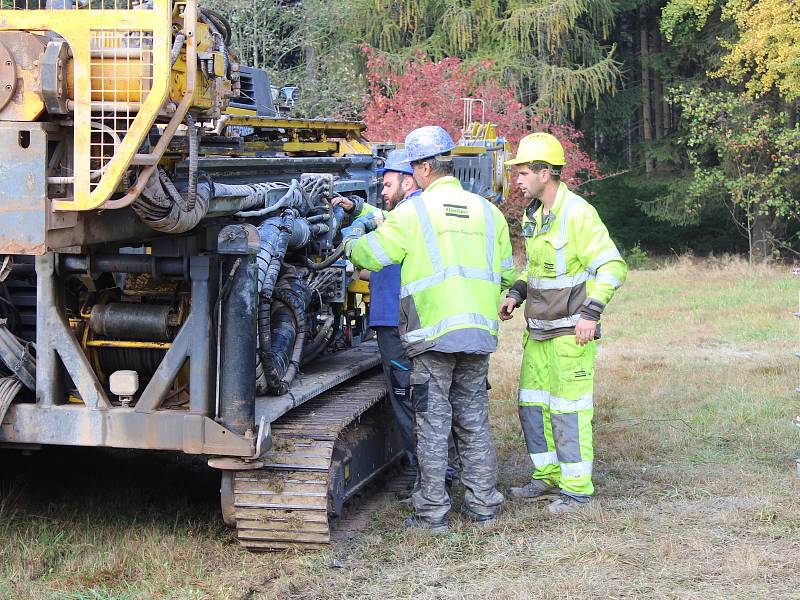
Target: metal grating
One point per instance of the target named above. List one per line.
(76, 5)
(121, 77)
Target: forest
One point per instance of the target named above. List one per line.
(679, 117)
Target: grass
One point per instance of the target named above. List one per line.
(697, 491)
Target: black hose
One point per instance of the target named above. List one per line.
(194, 150)
(318, 266)
(221, 23)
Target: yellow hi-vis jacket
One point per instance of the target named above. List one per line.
(573, 266)
(456, 254)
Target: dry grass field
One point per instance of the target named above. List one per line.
(698, 496)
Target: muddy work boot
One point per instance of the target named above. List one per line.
(415, 523)
(478, 519)
(567, 504)
(534, 489)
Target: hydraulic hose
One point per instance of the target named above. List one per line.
(337, 254)
(17, 356)
(194, 150)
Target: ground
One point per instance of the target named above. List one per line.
(698, 494)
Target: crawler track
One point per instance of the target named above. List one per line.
(322, 453)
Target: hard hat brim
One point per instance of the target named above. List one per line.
(522, 161)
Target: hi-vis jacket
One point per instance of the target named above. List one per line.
(573, 267)
(456, 254)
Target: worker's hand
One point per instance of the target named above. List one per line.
(506, 311)
(346, 204)
(370, 221)
(355, 231)
(584, 331)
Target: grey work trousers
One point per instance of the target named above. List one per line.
(449, 392)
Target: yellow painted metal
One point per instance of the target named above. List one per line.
(78, 28)
(358, 287)
(328, 125)
(326, 147)
(128, 344)
(205, 87)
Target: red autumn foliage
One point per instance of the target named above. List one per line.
(429, 93)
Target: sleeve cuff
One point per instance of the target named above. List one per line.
(592, 309)
(515, 296)
(520, 288)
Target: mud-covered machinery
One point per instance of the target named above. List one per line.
(170, 262)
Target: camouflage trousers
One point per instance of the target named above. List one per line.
(449, 392)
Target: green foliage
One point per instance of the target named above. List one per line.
(550, 50)
(638, 258)
(679, 16)
(623, 203)
(741, 154)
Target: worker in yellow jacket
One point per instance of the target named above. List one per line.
(455, 253)
(573, 269)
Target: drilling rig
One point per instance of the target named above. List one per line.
(172, 275)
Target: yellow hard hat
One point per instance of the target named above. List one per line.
(539, 147)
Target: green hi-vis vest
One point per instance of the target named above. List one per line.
(455, 254)
(570, 257)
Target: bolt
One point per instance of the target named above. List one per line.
(8, 63)
(8, 86)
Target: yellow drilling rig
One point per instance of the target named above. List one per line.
(171, 273)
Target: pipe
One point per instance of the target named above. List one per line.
(123, 263)
(238, 369)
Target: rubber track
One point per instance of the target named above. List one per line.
(285, 504)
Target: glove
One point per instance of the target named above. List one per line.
(355, 231)
(370, 221)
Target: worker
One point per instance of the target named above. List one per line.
(455, 253)
(384, 291)
(573, 269)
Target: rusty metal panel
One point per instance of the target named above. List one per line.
(23, 193)
(77, 425)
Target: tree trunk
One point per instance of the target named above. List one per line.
(658, 93)
(647, 118)
(760, 239)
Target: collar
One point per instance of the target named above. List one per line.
(416, 192)
(536, 206)
(444, 181)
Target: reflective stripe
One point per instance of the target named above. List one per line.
(507, 263)
(602, 258)
(534, 396)
(555, 324)
(451, 271)
(544, 459)
(452, 321)
(427, 233)
(580, 469)
(377, 250)
(488, 217)
(609, 279)
(561, 253)
(563, 405)
(557, 283)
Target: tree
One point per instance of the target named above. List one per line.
(548, 50)
(764, 55)
(743, 155)
(424, 92)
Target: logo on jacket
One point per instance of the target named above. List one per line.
(456, 210)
